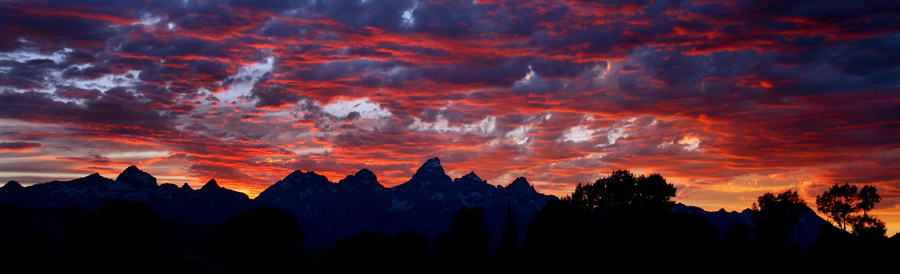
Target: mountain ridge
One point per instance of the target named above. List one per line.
(804, 233)
(427, 202)
(330, 211)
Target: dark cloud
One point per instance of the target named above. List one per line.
(220, 170)
(77, 93)
(94, 159)
(270, 94)
(18, 146)
(29, 74)
(117, 111)
(535, 84)
(279, 28)
(359, 14)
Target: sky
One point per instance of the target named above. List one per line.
(725, 99)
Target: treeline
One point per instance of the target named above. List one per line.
(621, 221)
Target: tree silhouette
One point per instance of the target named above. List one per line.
(776, 215)
(467, 239)
(868, 197)
(838, 202)
(842, 203)
(869, 227)
(621, 191)
(836, 250)
(619, 220)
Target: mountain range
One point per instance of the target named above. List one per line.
(326, 211)
(804, 234)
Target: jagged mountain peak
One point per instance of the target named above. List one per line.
(431, 172)
(306, 178)
(94, 175)
(363, 177)
(212, 184)
(12, 185)
(167, 188)
(365, 174)
(473, 176)
(302, 176)
(469, 178)
(433, 165)
(212, 190)
(433, 162)
(295, 173)
(296, 181)
(93, 179)
(520, 182)
(186, 186)
(137, 178)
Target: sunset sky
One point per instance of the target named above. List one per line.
(725, 99)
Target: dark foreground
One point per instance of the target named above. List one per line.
(126, 235)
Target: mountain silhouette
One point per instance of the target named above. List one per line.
(804, 234)
(325, 210)
(426, 203)
(329, 211)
